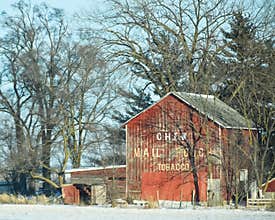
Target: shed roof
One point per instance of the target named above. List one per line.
(213, 108)
(94, 168)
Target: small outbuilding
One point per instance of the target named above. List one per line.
(95, 185)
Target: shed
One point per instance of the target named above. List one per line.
(160, 138)
(95, 185)
(270, 189)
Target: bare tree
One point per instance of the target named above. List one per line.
(32, 48)
(14, 98)
(170, 44)
(261, 154)
(248, 84)
(89, 101)
(57, 91)
(236, 147)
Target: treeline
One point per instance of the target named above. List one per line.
(65, 93)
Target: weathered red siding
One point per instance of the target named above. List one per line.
(270, 186)
(157, 163)
(103, 173)
(70, 195)
(172, 186)
(112, 178)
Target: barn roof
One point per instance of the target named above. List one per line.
(213, 108)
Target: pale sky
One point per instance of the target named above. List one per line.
(69, 6)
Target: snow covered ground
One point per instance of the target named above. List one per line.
(63, 212)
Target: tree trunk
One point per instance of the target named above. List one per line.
(46, 157)
(20, 161)
(195, 175)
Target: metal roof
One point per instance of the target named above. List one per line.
(216, 110)
(213, 108)
(94, 168)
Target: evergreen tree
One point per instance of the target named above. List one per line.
(136, 101)
(247, 63)
(238, 56)
(248, 79)
(242, 35)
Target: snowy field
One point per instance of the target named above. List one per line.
(61, 212)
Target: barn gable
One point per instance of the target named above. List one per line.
(212, 107)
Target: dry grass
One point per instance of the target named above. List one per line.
(5, 198)
(42, 199)
(152, 203)
(13, 199)
(272, 206)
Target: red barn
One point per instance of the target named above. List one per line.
(181, 138)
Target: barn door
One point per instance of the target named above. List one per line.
(213, 192)
(98, 194)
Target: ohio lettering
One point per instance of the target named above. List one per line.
(171, 136)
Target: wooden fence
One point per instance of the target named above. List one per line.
(259, 202)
